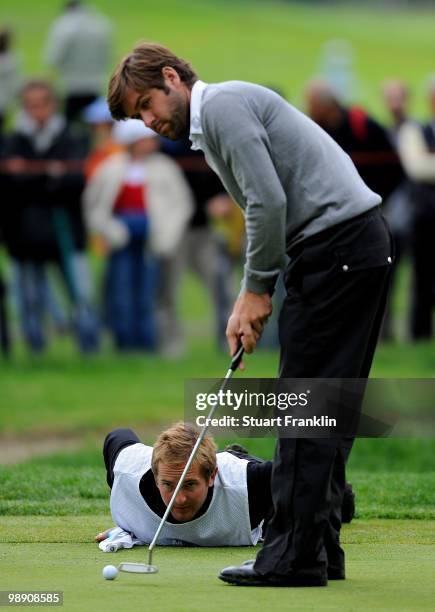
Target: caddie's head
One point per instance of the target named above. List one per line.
(154, 85)
(171, 452)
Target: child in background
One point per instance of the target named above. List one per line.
(139, 203)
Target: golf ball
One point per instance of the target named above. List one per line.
(110, 572)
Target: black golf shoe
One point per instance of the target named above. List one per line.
(246, 575)
(336, 573)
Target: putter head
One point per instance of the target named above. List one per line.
(138, 568)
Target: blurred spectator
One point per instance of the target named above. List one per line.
(98, 117)
(140, 204)
(397, 207)
(396, 100)
(228, 226)
(5, 342)
(337, 65)
(200, 248)
(9, 70)
(79, 47)
(358, 134)
(416, 145)
(9, 76)
(42, 184)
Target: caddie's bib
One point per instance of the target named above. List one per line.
(225, 523)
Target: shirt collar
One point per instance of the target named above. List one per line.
(195, 114)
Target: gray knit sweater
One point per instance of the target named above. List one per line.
(290, 178)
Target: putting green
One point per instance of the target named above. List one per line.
(390, 565)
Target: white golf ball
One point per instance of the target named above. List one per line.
(110, 572)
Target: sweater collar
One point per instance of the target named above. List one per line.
(195, 135)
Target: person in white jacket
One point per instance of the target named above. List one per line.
(139, 203)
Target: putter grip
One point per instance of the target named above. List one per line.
(237, 357)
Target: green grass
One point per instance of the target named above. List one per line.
(399, 484)
(81, 529)
(389, 567)
(63, 392)
(268, 42)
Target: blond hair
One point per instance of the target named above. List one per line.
(175, 444)
(141, 70)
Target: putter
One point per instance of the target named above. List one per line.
(149, 568)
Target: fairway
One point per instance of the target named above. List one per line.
(390, 567)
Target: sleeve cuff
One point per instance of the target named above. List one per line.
(258, 286)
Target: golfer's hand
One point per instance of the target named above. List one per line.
(249, 316)
(103, 535)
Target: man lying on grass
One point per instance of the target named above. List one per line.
(224, 500)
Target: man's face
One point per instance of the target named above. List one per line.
(39, 104)
(317, 108)
(167, 112)
(396, 100)
(192, 494)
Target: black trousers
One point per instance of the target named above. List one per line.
(337, 286)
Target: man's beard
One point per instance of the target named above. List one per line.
(178, 125)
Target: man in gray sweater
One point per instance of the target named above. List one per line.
(302, 197)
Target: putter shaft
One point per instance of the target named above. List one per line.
(235, 362)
